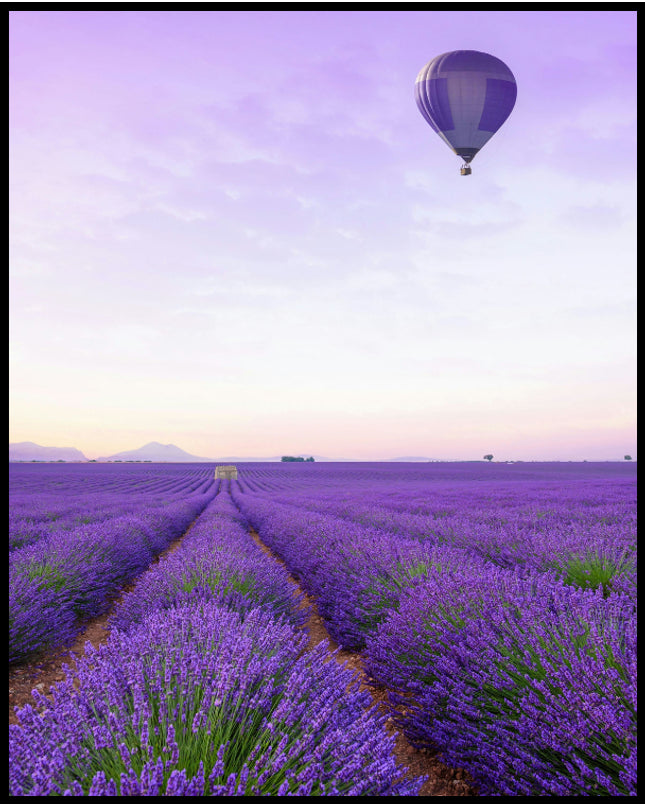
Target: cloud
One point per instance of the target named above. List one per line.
(582, 152)
(592, 217)
(237, 288)
(457, 231)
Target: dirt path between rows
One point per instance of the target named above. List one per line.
(47, 668)
(442, 780)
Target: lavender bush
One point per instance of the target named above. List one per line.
(518, 663)
(196, 702)
(355, 573)
(497, 603)
(527, 683)
(217, 560)
(579, 527)
(68, 577)
(46, 498)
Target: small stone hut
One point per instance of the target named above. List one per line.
(226, 472)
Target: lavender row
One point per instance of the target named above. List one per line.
(46, 500)
(476, 653)
(69, 576)
(586, 536)
(27, 531)
(204, 695)
(196, 702)
(217, 560)
(416, 479)
(355, 573)
(529, 684)
(39, 478)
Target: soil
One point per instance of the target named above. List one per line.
(47, 669)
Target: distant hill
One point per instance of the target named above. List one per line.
(156, 452)
(28, 452)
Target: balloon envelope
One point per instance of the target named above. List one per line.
(465, 95)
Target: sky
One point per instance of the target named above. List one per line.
(233, 231)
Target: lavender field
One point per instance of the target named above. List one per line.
(495, 603)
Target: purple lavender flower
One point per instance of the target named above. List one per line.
(70, 575)
(526, 682)
(240, 676)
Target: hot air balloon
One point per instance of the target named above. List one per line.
(465, 95)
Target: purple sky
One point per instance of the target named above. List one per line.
(233, 231)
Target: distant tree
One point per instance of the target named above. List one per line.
(488, 457)
(627, 457)
(311, 459)
(292, 459)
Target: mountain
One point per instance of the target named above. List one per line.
(26, 452)
(156, 452)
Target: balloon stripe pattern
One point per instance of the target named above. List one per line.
(465, 96)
